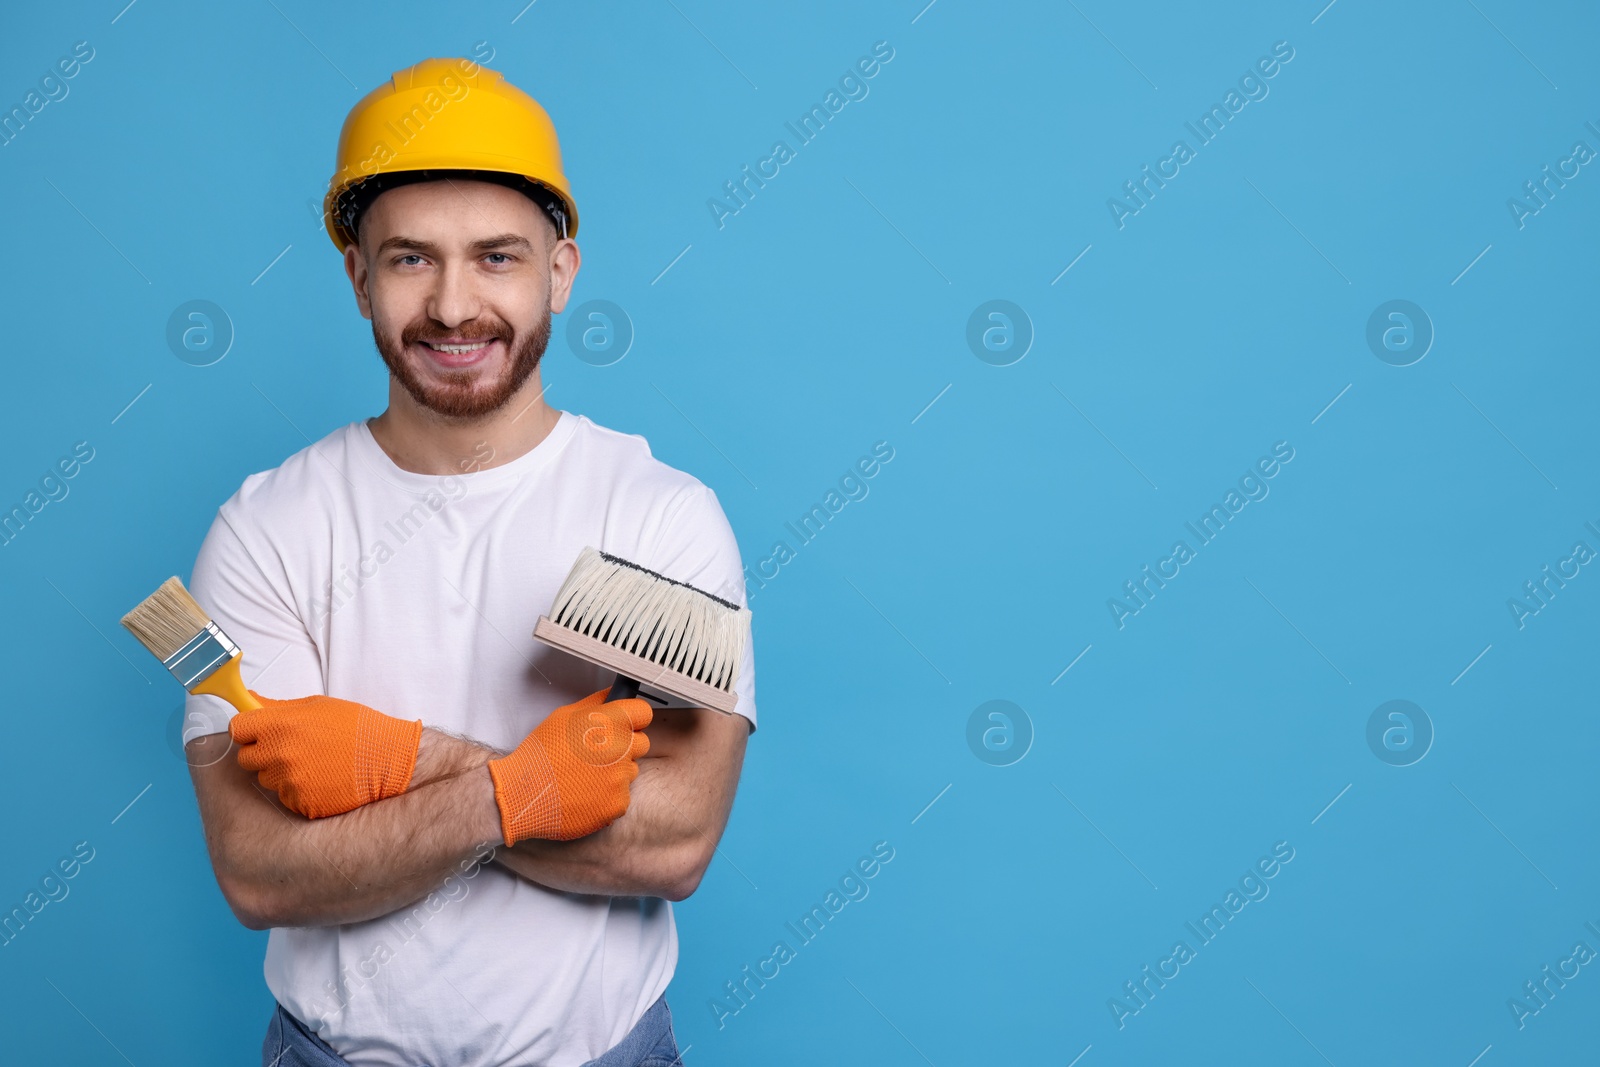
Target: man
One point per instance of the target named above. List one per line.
(463, 854)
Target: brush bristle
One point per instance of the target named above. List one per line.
(167, 619)
(667, 622)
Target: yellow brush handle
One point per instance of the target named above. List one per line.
(225, 682)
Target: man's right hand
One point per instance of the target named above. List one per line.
(570, 776)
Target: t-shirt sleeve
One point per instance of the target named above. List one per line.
(279, 658)
(697, 546)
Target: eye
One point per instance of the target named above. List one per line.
(500, 255)
(409, 255)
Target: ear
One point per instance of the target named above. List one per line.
(355, 266)
(564, 262)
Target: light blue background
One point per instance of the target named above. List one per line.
(1225, 316)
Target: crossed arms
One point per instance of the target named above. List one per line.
(278, 868)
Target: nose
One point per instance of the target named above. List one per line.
(454, 299)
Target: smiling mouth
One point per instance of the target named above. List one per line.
(462, 349)
(460, 356)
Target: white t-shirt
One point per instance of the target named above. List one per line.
(340, 573)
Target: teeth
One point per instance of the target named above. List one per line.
(456, 349)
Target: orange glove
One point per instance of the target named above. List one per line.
(570, 776)
(325, 756)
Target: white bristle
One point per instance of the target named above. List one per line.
(673, 625)
(167, 619)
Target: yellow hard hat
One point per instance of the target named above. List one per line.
(445, 118)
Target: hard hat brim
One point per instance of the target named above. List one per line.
(344, 208)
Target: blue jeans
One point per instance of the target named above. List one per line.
(651, 1043)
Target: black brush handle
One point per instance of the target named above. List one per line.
(624, 688)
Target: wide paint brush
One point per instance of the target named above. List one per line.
(655, 632)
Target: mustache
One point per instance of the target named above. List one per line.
(417, 332)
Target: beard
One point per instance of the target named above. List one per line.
(465, 394)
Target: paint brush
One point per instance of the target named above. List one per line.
(179, 633)
(654, 632)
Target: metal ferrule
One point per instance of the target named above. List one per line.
(199, 659)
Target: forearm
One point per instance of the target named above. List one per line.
(652, 850)
(370, 861)
(658, 847)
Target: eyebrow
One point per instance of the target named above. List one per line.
(487, 244)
